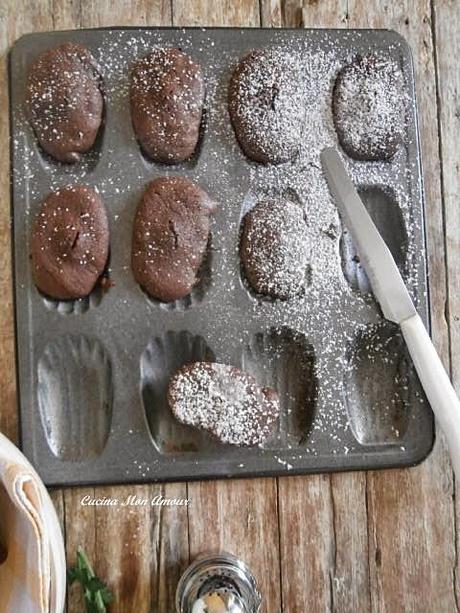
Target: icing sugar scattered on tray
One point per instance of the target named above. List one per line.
(329, 313)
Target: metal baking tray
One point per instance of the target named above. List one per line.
(92, 374)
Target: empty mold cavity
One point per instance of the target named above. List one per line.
(284, 359)
(188, 164)
(378, 386)
(163, 356)
(250, 201)
(198, 291)
(75, 397)
(386, 214)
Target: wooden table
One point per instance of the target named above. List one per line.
(375, 541)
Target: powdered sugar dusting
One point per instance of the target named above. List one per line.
(167, 93)
(273, 248)
(224, 401)
(266, 104)
(370, 108)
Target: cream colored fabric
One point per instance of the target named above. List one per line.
(33, 573)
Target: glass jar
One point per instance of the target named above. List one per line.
(218, 583)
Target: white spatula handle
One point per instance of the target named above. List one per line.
(436, 383)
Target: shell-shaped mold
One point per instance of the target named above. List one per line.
(75, 307)
(377, 386)
(162, 357)
(284, 359)
(386, 214)
(75, 397)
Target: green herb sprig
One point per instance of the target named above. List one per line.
(95, 592)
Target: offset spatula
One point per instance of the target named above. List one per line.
(390, 291)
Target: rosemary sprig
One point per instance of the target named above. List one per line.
(95, 591)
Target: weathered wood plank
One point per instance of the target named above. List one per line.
(350, 569)
(446, 16)
(412, 541)
(306, 13)
(216, 13)
(447, 22)
(271, 13)
(8, 403)
(102, 13)
(10, 29)
(57, 496)
(285, 13)
(141, 550)
(239, 516)
(327, 14)
(323, 538)
(170, 546)
(80, 531)
(66, 15)
(307, 542)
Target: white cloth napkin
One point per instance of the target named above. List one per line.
(32, 557)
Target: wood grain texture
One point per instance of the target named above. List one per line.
(66, 15)
(447, 23)
(142, 550)
(216, 13)
(170, 544)
(307, 542)
(102, 13)
(381, 542)
(239, 516)
(327, 14)
(323, 543)
(80, 531)
(446, 27)
(349, 575)
(271, 14)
